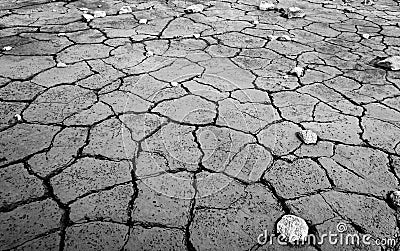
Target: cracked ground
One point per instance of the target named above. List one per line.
(151, 137)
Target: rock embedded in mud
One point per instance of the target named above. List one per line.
(365, 36)
(297, 71)
(395, 198)
(61, 65)
(266, 6)
(7, 48)
(143, 21)
(99, 14)
(308, 137)
(125, 10)
(390, 63)
(194, 8)
(284, 38)
(149, 54)
(292, 229)
(88, 17)
(293, 12)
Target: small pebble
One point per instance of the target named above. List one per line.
(143, 21)
(366, 36)
(368, 2)
(297, 71)
(294, 9)
(83, 9)
(149, 53)
(272, 37)
(7, 48)
(284, 38)
(194, 8)
(18, 117)
(196, 35)
(88, 17)
(266, 6)
(125, 10)
(174, 83)
(290, 157)
(395, 198)
(348, 10)
(99, 14)
(294, 12)
(61, 34)
(255, 22)
(61, 65)
(390, 63)
(308, 137)
(292, 228)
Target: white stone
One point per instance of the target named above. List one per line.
(294, 9)
(145, 5)
(395, 198)
(61, 65)
(174, 83)
(266, 6)
(194, 8)
(272, 37)
(84, 10)
(366, 36)
(390, 63)
(349, 10)
(99, 14)
(125, 10)
(88, 17)
(290, 157)
(61, 34)
(143, 21)
(196, 35)
(294, 12)
(149, 53)
(284, 38)
(255, 22)
(18, 117)
(368, 2)
(308, 137)
(292, 228)
(297, 71)
(7, 48)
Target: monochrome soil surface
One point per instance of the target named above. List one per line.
(143, 125)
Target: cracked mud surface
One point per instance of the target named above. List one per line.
(153, 139)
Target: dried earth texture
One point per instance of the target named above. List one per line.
(182, 133)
